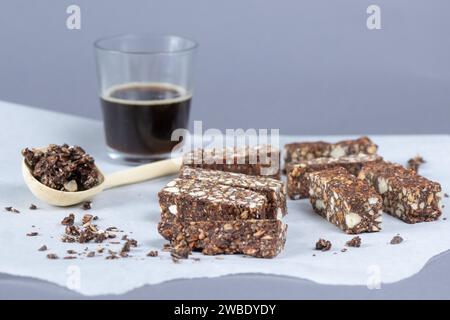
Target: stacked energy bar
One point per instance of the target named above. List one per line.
(219, 212)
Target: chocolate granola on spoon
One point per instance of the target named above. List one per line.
(65, 175)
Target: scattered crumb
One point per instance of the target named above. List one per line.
(112, 257)
(444, 218)
(52, 256)
(87, 218)
(124, 254)
(43, 248)
(219, 258)
(32, 234)
(415, 163)
(180, 251)
(323, 245)
(71, 252)
(396, 240)
(69, 257)
(86, 205)
(344, 250)
(167, 247)
(446, 195)
(354, 242)
(152, 253)
(33, 207)
(11, 209)
(90, 254)
(69, 220)
(196, 259)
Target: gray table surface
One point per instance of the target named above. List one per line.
(431, 282)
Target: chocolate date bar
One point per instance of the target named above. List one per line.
(406, 195)
(300, 151)
(257, 238)
(344, 200)
(297, 182)
(263, 160)
(272, 189)
(194, 200)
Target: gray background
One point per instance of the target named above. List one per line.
(306, 67)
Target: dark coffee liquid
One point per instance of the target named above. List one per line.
(140, 118)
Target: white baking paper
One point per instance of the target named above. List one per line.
(135, 209)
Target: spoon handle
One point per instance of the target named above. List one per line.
(143, 173)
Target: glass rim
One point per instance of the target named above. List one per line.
(98, 43)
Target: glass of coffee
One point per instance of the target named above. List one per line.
(146, 85)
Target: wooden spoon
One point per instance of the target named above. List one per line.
(120, 178)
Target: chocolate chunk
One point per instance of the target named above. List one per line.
(415, 163)
(323, 245)
(32, 234)
(71, 252)
(11, 209)
(396, 240)
(152, 253)
(86, 205)
(69, 220)
(52, 256)
(354, 242)
(43, 248)
(33, 207)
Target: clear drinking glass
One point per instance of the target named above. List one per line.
(146, 85)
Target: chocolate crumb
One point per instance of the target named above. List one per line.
(52, 256)
(124, 237)
(396, 240)
(343, 249)
(69, 220)
(87, 218)
(69, 257)
(152, 253)
(446, 195)
(71, 252)
(196, 259)
(43, 248)
(180, 251)
(100, 250)
(323, 245)
(354, 242)
(32, 234)
(126, 247)
(33, 207)
(90, 254)
(444, 218)
(112, 257)
(12, 209)
(415, 163)
(86, 205)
